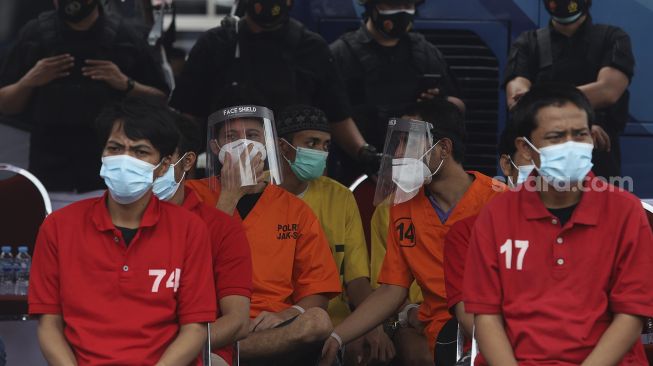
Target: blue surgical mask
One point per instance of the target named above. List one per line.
(524, 172)
(166, 186)
(564, 163)
(309, 164)
(128, 179)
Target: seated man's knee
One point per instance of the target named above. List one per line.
(316, 325)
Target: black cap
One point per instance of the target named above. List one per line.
(564, 9)
(301, 118)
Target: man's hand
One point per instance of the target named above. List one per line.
(47, 70)
(414, 321)
(381, 349)
(231, 173)
(106, 71)
(329, 352)
(515, 99)
(429, 94)
(601, 138)
(370, 158)
(265, 320)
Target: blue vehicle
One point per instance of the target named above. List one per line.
(475, 37)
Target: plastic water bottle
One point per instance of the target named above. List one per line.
(6, 271)
(23, 263)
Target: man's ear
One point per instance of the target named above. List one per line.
(163, 168)
(285, 149)
(215, 148)
(189, 161)
(446, 148)
(506, 167)
(524, 149)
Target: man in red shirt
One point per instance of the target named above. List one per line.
(515, 169)
(124, 279)
(558, 272)
(232, 261)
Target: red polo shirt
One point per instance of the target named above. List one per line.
(122, 305)
(456, 243)
(232, 261)
(558, 287)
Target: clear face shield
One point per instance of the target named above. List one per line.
(405, 163)
(241, 147)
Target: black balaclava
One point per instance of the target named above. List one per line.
(269, 13)
(566, 11)
(74, 11)
(391, 23)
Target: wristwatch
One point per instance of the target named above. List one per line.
(130, 85)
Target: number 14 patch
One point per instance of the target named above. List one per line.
(405, 232)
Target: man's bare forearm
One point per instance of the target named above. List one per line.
(55, 348)
(493, 341)
(382, 303)
(464, 318)
(348, 137)
(314, 301)
(186, 347)
(14, 98)
(358, 290)
(227, 330)
(609, 86)
(145, 90)
(233, 324)
(617, 340)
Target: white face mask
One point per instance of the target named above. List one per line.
(236, 149)
(409, 174)
(524, 172)
(564, 163)
(166, 186)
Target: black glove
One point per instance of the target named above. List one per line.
(370, 159)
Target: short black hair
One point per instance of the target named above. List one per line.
(447, 120)
(142, 118)
(190, 136)
(545, 95)
(507, 140)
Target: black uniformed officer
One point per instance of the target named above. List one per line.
(386, 67)
(596, 58)
(276, 56)
(64, 66)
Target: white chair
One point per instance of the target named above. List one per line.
(35, 181)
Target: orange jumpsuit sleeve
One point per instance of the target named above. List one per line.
(395, 270)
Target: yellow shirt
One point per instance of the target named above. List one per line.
(378, 236)
(336, 210)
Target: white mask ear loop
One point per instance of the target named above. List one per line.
(533, 147)
(184, 173)
(441, 161)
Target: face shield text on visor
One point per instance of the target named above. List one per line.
(241, 147)
(405, 164)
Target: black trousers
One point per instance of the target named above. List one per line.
(446, 344)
